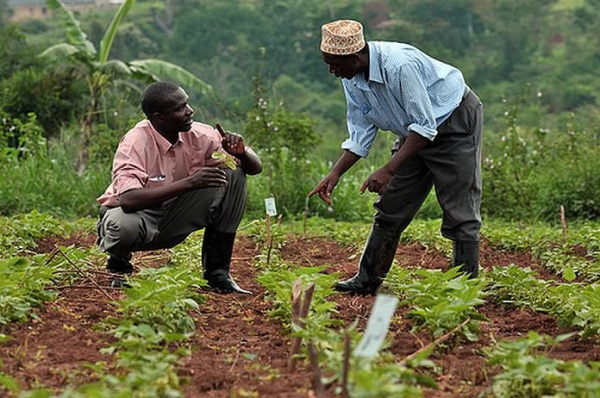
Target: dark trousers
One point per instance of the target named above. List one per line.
(221, 208)
(451, 163)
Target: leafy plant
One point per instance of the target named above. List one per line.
(440, 301)
(162, 297)
(527, 371)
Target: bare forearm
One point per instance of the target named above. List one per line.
(144, 198)
(413, 145)
(250, 162)
(344, 163)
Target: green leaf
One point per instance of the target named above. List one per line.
(569, 274)
(60, 51)
(226, 159)
(9, 383)
(76, 36)
(115, 68)
(162, 70)
(111, 32)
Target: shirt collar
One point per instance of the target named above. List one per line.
(375, 74)
(161, 142)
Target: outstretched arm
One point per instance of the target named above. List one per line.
(326, 186)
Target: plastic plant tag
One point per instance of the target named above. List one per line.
(377, 326)
(270, 206)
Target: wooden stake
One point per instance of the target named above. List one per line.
(317, 383)
(296, 300)
(346, 368)
(306, 302)
(303, 313)
(305, 216)
(296, 309)
(563, 221)
(269, 239)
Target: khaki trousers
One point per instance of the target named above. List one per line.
(451, 163)
(222, 208)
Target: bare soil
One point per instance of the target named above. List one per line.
(239, 348)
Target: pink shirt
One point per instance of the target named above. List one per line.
(145, 159)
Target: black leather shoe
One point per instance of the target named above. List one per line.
(119, 283)
(117, 266)
(226, 284)
(356, 286)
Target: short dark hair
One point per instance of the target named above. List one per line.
(154, 96)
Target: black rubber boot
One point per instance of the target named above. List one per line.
(119, 266)
(466, 256)
(375, 263)
(217, 248)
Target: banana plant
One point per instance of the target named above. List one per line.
(100, 72)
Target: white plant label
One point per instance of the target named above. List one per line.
(270, 206)
(377, 326)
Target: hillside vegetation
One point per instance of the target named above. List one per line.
(533, 64)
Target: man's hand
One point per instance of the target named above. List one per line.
(232, 143)
(324, 188)
(208, 177)
(378, 181)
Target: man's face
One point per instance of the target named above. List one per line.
(345, 66)
(177, 114)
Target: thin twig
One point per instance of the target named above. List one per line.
(258, 296)
(84, 275)
(86, 287)
(85, 270)
(53, 253)
(437, 341)
(248, 315)
(237, 355)
(87, 300)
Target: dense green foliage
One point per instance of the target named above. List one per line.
(536, 75)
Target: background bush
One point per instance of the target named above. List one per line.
(536, 76)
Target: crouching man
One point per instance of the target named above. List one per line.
(168, 180)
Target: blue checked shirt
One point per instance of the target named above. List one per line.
(407, 91)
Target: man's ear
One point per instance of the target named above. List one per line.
(156, 117)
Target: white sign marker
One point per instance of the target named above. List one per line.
(377, 326)
(270, 206)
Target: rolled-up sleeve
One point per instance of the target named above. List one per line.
(129, 172)
(417, 102)
(362, 132)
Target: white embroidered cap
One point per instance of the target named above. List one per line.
(342, 37)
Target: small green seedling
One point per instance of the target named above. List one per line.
(226, 160)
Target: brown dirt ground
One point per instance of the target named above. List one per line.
(53, 349)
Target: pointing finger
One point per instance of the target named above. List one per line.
(221, 130)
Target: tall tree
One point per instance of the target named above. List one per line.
(100, 72)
